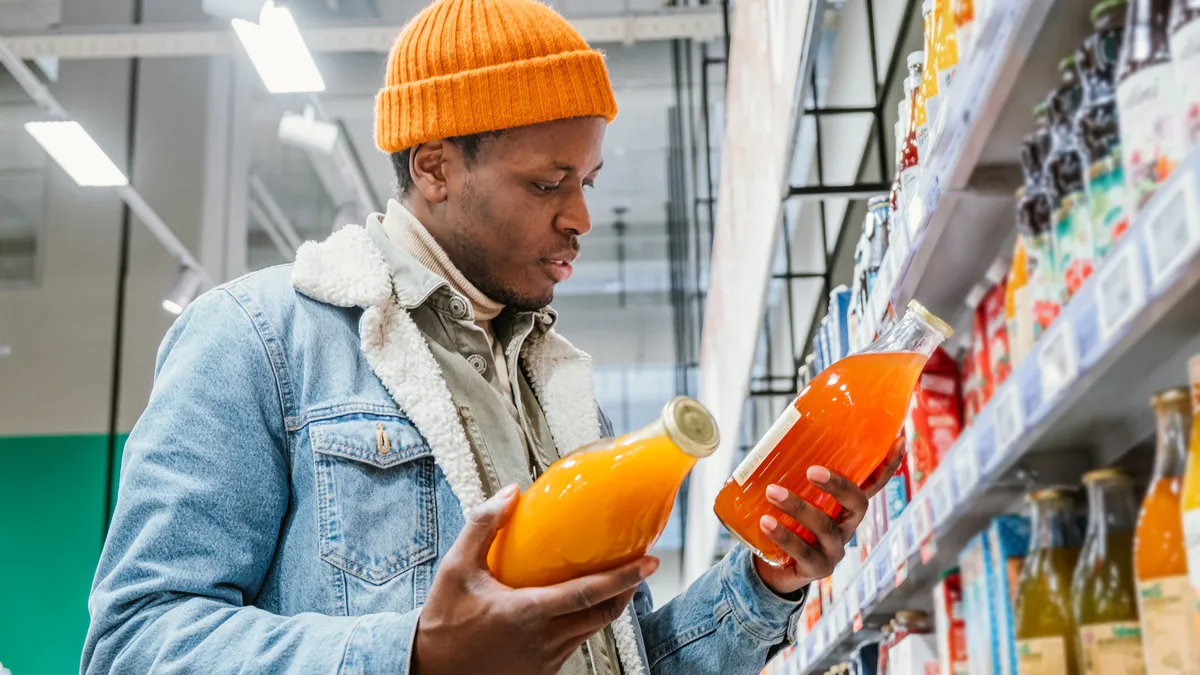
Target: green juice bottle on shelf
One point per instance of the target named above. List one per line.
(1104, 591)
(1045, 625)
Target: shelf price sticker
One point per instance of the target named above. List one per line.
(1120, 291)
(870, 584)
(966, 466)
(1172, 230)
(1058, 364)
(1009, 418)
(899, 546)
(922, 520)
(941, 497)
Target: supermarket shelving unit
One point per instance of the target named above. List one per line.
(1079, 400)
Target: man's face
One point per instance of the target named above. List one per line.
(513, 215)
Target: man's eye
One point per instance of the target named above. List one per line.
(589, 183)
(544, 188)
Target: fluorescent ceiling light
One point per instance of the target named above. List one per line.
(278, 52)
(307, 132)
(183, 292)
(77, 153)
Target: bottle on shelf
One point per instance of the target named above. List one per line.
(1103, 591)
(910, 159)
(605, 504)
(927, 92)
(1097, 60)
(945, 42)
(1185, 52)
(846, 420)
(1036, 215)
(1191, 491)
(1064, 169)
(1159, 556)
(1147, 102)
(1045, 622)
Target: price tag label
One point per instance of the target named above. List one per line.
(899, 546)
(1120, 292)
(941, 495)
(1009, 418)
(870, 584)
(966, 467)
(922, 523)
(858, 621)
(1058, 361)
(1172, 231)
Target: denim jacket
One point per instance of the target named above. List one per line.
(300, 470)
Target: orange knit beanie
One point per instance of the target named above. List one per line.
(469, 66)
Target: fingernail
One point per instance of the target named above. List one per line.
(648, 567)
(818, 474)
(776, 493)
(769, 523)
(509, 491)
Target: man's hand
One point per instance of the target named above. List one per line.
(811, 562)
(472, 623)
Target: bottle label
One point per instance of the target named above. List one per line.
(1106, 197)
(908, 190)
(787, 419)
(1168, 631)
(1111, 648)
(1191, 535)
(1185, 53)
(933, 106)
(1044, 282)
(1042, 656)
(1151, 140)
(946, 77)
(1073, 245)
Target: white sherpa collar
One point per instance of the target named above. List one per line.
(349, 270)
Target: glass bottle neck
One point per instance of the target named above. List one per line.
(1111, 507)
(1054, 525)
(1170, 456)
(911, 334)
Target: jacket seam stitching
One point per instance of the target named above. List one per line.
(274, 353)
(681, 640)
(741, 615)
(349, 641)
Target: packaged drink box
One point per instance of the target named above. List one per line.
(827, 592)
(933, 422)
(866, 659)
(897, 493)
(972, 564)
(949, 625)
(1008, 544)
(812, 610)
(995, 326)
(981, 372)
(914, 655)
(881, 516)
(839, 322)
(970, 396)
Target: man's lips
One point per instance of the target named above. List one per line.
(559, 268)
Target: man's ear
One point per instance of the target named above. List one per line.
(427, 165)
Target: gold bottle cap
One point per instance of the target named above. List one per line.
(931, 319)
(1103, 475)
(1048, 495)
(911, 615)
(690, 426)
(1176, 395)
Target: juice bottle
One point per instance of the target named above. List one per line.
(1103, 591)
(1185, 51)
(1096, 125)
(1045, 624)
(605, 504)
(928, 91)
(1152, 141)
(1159, 556)
(846, 420)
(964, 24)
(910, 158)
(1191, 491)
(945, 40)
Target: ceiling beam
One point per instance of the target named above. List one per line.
(159, 41)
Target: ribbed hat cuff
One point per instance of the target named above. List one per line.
(516, 94)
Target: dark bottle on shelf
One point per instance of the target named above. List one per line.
(1035, 148)
(1036, 216)
(1096, 124)
(1185, 52)
(1064, 165)
(1147, 102)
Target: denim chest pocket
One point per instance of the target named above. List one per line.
(377, 512)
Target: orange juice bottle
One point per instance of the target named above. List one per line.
(1191, 493)
(928, 91)
(945, 40)
(605, 504)
(1159, 558)
(845, 420)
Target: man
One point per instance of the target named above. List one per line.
(308, 489)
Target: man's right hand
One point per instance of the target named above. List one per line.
(472, 623)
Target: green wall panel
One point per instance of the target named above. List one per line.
(52, 517)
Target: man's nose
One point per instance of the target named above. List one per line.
(575, 218)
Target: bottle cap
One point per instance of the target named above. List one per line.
(931, 319)
(1106, 7)
(1104, 475)
(690, 426)
(916, 59)
(1047, 495)
(911, 615)
(1169, 396)
(927, 6)
(1067, 62)
(1039, 110)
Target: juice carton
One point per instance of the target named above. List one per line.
(970, 394)
(914, 655)
(1008, 544)
(949, 625)
(996, 333)
(933, 422)
(839, 322)
(973, 563)
(981, 374)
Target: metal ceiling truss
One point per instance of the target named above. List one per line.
(773, 385)
(702, 23)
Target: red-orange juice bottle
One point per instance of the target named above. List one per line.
(605, 504)
(846, 419)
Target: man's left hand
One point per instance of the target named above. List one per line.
(816, 561)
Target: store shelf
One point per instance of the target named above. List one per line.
(955, 232)
(1080, 399)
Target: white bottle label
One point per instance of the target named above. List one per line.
(767, 444)
(1191, 537)
(1151, 140)
(1185, 52)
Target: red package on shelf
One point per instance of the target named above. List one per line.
(933, 422)
(996, 329)
(970, 396)
(981, 367)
